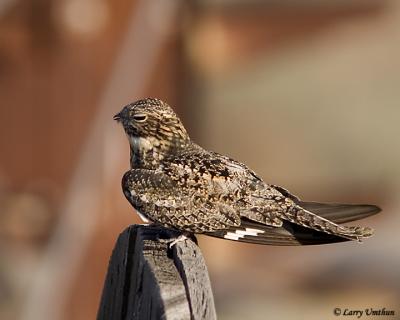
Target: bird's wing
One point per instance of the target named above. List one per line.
(289, 234)
(336, 212)
(178, 199)
(340, 212)
(309, 230)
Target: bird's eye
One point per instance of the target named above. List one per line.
(140, 117)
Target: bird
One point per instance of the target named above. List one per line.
(175, 183)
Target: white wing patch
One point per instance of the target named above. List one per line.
(242, 233)
(232, 236)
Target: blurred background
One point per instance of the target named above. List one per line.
(304, 92)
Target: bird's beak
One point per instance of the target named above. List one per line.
(118, 116)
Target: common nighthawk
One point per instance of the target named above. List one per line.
(175, 183)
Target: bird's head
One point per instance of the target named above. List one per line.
(152, 125)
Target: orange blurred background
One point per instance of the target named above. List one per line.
(305, 93)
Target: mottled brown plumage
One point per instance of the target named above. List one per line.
(176, 183)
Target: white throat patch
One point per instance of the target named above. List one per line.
(139, 143)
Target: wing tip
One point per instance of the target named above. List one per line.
(340, 212)
(374, 208)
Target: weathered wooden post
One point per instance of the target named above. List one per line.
(148, 280)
